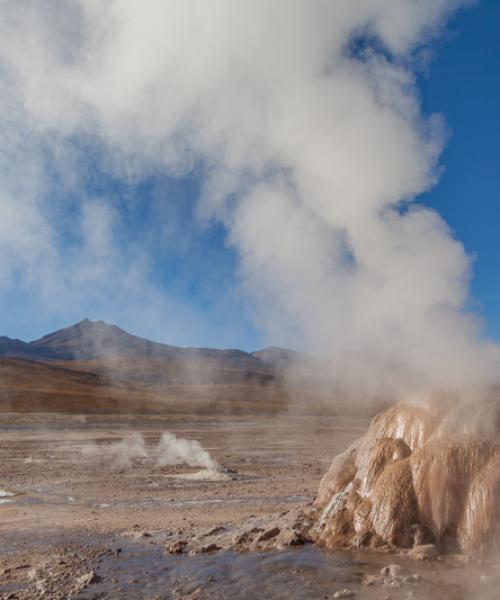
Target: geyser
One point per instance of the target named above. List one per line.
(120, 455)
(170, 451)
(178, 451)
(422, 474)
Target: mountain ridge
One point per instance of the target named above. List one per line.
(93, 367)
(89, 340)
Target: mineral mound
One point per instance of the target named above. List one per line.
(422, 474)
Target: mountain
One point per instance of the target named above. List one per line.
(20, 349)
(96, 367)
(280, 359)
(91, 340)
(96, 339)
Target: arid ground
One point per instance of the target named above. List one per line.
(63, 494)
(88, 508)
(277, 461)
(84, 523)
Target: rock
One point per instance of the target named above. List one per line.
(215, 531)
(425, 552)
(87, 579)
(208, 548)
(137, 535)
(290, 537)
(363, 539)
(413, 482)
(268, 534)
(241, 538)
(177, 547)
(393, 571)
(391, 576)
(421, 535)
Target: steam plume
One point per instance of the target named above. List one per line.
(171, 450)
(302, 118)
(179, 451)
(121, 454)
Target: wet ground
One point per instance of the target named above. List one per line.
(66, 531)
(298, 574)
(118, 567)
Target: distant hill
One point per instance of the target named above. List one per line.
(280, 359)
(96, 367)
(118, 356)
(91, 340)
(96, 339)
(18, 348)
(91, 387)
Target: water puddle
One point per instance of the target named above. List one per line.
(145, 571)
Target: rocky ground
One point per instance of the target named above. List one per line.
(277, 462)
(89, 521)
(70, 486)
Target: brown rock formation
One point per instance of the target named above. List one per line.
(420, 475)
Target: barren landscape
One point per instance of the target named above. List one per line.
(65, 500)
(249, 300)
(158, 477)
(91, 518)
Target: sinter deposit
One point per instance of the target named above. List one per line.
(415, 478)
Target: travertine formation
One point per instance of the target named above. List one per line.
(422, 474)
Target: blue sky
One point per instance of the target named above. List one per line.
(190, 261)
(463, 84)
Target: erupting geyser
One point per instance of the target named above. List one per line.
(421, 474)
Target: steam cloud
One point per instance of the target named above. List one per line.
(120, 454)
(170, 451)
(179, 451)
(302, 118)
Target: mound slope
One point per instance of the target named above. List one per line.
(415, 478)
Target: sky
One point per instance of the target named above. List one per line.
(178, 269)
(463, 84)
